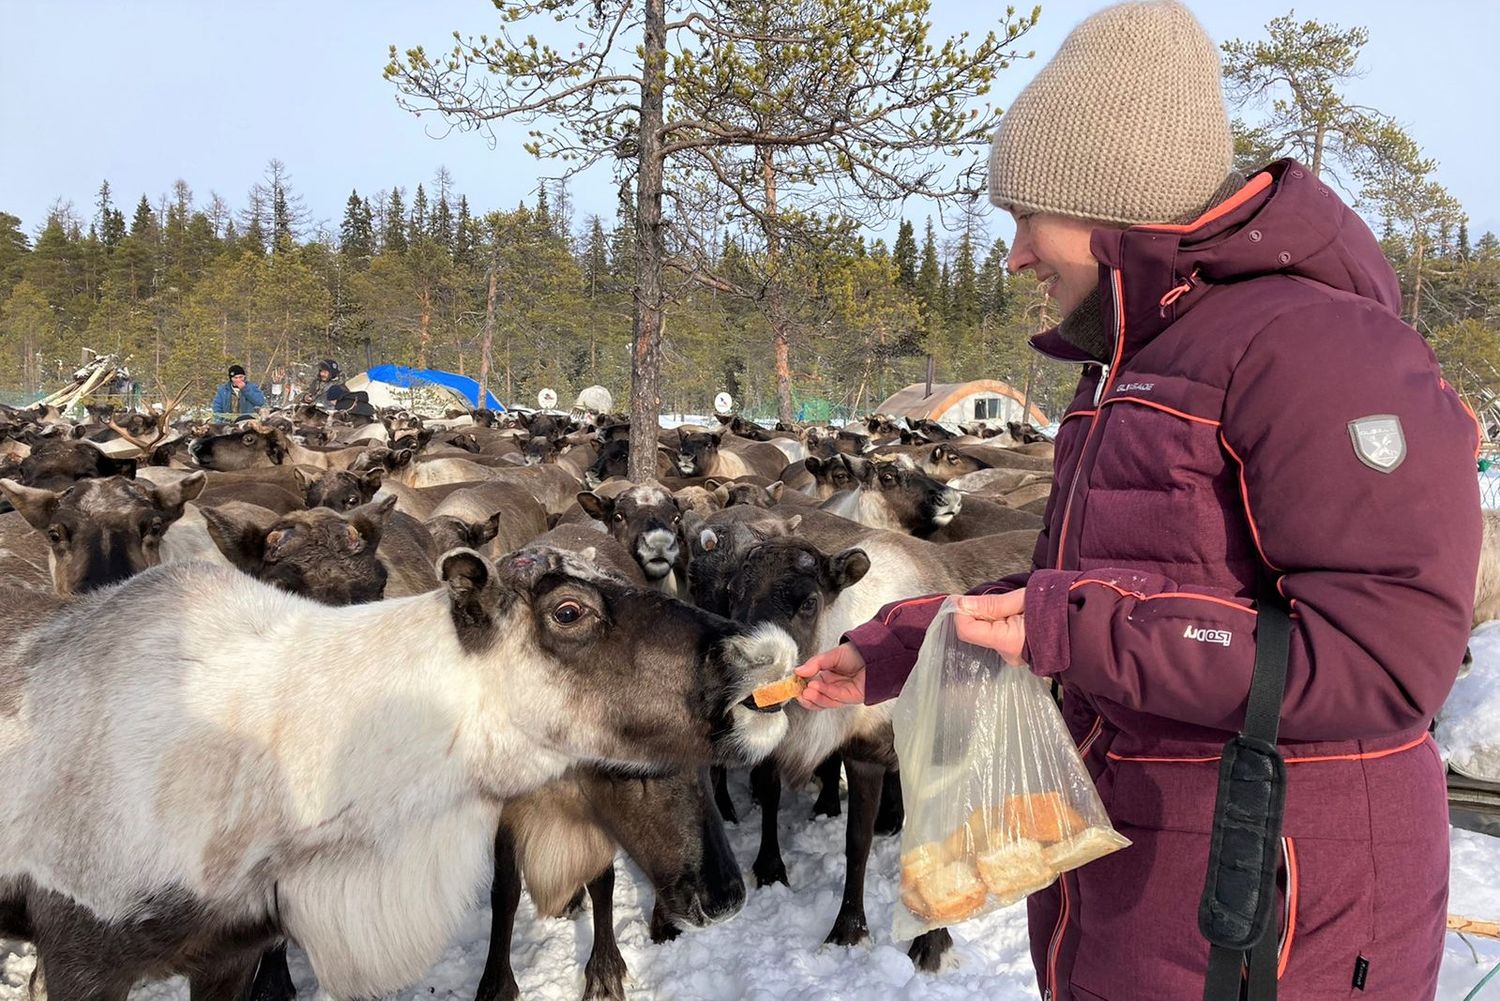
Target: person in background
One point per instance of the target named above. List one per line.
(238, 396)
(1253, 418)
(327, 390)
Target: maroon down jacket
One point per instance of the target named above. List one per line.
(1264, 410)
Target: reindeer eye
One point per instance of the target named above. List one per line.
(54, 536)
(809, 606)
(153, 528)
(619, 516)
(568, 612)
(887, 479)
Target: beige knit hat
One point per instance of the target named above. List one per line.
(1126, 124)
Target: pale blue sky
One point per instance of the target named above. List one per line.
(146, 92)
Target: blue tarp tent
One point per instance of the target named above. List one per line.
(400, 375)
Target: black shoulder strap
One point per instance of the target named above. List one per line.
(1239, 892)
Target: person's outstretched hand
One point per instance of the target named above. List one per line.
(838, 678)
(995, 621)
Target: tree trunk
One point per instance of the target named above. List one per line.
(424, 328)
(775, 307)
(1416, 280)
(488, 339)
(645, 356)
(1317, 163)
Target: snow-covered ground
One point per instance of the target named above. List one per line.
(771, 949)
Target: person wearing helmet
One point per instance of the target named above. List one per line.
(327, 390)
(238, 396)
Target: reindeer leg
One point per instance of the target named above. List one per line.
(231, 979)
(928, 949)
(498, 981)
(892, 809)
(273, 980)
(765, 780)
(604, 974)
(76, 971)
(828, 803)
(722, 800)
(865, 778)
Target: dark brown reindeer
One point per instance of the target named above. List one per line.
(101, 531)
(563, 837)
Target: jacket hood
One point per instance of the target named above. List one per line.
(1283, 221)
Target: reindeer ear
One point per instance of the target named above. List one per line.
(486, 530)
(36, 506)
(110, 466)
(775, 490)
(595, 506)
(468, 576)
(173, 496)
(370, 481)
(847, 568)
(242, 539)
(722, 493)
(306, 477)
(367, 524)
(813, 464)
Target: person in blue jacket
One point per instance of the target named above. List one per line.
(238, 396)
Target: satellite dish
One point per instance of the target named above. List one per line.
(723, 403)
(546, 399)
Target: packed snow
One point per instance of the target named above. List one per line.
(772, 950)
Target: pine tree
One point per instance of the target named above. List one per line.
(442, 213)
(595, 258)
(543, 218)
(1464, 250)
(356, 233)
(904, 256)
(109, 220)
(144, 225)
(418, 229)
(994, 285)
(13, 250)
(253, 236)
(465, 235)
(964, 304)
(393, 232)
(929, 287)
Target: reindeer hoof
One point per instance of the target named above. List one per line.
(768, 872)
(888, 822)
(727, 812)
(498, 988)
(662, 928)
(848, 929)
(604, 977)
(927, 950)
(828, 804)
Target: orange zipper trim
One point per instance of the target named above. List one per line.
(1062, 541)
(1291, 905)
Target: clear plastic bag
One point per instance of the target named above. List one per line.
(998, 802)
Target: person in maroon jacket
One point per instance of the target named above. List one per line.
(1252, 408)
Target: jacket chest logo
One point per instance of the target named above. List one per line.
(1379, 441)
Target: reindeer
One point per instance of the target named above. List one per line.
(237, 792)
(817, 595)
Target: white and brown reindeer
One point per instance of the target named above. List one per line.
(177, 806)
(817, 594)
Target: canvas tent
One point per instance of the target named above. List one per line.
(952, 402)
(420, 389)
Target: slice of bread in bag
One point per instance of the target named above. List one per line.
(1091, 844)
(1010, 871)
(946, 895)
(1042, 816)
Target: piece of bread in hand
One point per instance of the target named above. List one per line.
(778, 692)
(1041, 816)
(946, 895)
(1011, 871)
(1082, 848)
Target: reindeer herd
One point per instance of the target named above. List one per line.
(299, 680)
